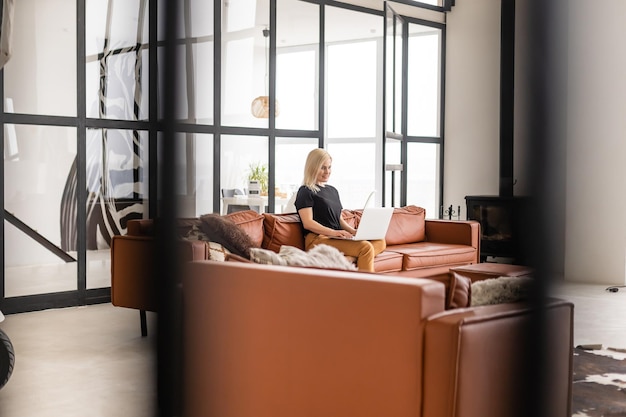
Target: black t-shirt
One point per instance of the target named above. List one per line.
(325, 203)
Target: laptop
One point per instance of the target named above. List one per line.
(374, 223)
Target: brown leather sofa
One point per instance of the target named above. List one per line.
(288, 341)
(416, 247)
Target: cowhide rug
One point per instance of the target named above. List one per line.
(599, 383)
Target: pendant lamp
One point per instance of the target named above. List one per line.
(260, 106)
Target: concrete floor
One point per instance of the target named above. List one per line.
(92, 361)
(80, 361)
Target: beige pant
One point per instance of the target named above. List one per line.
(363, 250)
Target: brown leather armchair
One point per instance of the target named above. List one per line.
(133, 267)
(287, 341)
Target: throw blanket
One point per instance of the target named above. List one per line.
(500, 290)
(321, 256)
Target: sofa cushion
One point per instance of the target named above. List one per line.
(407, 226)
(459, 294)
(251, 222)
(224, 231)
(388, 261)
(429, 254)
(282, 229)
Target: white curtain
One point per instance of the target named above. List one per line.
(5, 31)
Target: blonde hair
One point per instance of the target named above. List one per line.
(314, 161)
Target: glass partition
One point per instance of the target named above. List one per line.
(203, 166)
(40, 77)
(194, 57)
(39, 203)
(117, 59)
(117, 191)
(194, 173)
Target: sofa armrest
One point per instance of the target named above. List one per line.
(288, 339)
(133, 273)
(477, 360)
(140, 227)
(133, 260)
(453, 232)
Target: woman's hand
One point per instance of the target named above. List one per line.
(344, 234)
(345, 226)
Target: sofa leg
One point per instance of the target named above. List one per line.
(144, 323)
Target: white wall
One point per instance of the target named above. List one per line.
(472, 101)
(594, 234)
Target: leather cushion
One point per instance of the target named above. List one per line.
(251, 222)
(388, 261)
(282, 229)
(407, 226)
(459, 292)
(429, 254)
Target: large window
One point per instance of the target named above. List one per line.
(291, 155)
(245, 60)
(83, 121)
(423, 177)
(297, 64)
(244, 159)
(353, 104)
(424, 86)
(424, 118)
(414, 119)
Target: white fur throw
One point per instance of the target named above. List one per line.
(500, 290)
(321, 256)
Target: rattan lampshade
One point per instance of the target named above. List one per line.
(261, 107)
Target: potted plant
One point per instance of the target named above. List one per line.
(258, 172)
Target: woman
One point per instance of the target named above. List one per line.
(319, 207)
